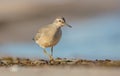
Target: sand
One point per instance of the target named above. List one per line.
(59, 71)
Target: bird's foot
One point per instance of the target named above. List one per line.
(51, 58)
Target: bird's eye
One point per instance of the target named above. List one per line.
(60, 20)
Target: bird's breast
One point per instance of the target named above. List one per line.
(56, 37)
(50, 39)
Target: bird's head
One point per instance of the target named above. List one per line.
(60, 21)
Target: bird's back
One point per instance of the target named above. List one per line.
(48, 36)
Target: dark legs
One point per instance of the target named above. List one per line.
(52, 51)
(50, 56)
(45, 52)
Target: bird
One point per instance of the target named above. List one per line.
(49, 35)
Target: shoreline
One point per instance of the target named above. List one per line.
(24, 62)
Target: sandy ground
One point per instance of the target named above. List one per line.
(59, 71)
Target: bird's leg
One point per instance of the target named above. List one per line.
(45, 52)
(51, 56)
(52, 51)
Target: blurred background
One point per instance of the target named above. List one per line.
(95, 33)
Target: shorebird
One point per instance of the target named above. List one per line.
(50, 35)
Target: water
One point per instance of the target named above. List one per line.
(94, 38)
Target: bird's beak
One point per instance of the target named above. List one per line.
(68, 25)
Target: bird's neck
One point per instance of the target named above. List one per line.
(57, 26)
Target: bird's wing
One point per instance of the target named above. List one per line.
(40, 32)
(38, 35)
